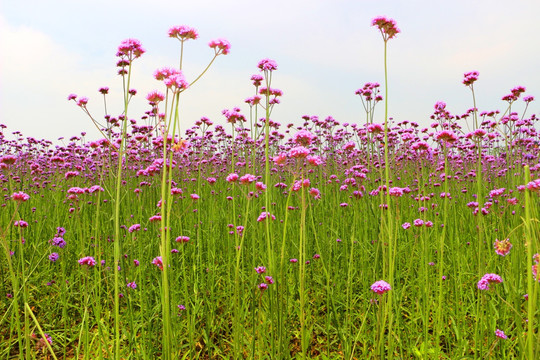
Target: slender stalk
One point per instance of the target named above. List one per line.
(117, 205)
(530, 243)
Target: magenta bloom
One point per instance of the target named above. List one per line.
(183, 33)
(303, 137)
(387, 27)
(92, 189)
(176, 82)
(130, 48)
(20, 223)
(260, 269)
(247, 179)
(314, 160)
(534, 185)
(267, 65)
(58, 241)
(88, 260)
(158, 261)
(299, 152)
(447, 135)
(220, 46)
(470, 77)
(134, 228)
(165, 72)
(502, 247)
(315, 193)
(396, 191)
(264, 215)
(500, 334)
(263, 286)
(380, 287)
(487, 279)
(406, 225)
(183, 239)
(20, 196)
(418, 222)
(232, 177)
(155, 96)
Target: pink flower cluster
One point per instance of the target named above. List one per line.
(220, 46)
(380, 287)
(158, 261)
(388, 27)
(267, 65)
(500, 334)
(20, 196)
(130, 49)
(264, 215)
(88, 261)
(183, 32)
(502, 247)
(470, 77)
(487, 279)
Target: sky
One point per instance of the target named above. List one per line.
(324, 49)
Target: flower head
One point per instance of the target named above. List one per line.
(182, 239)
(130, 48)
(88, 261)
(470, 77)
(500, 334)
(265, 215)
(183, 33)
(260, 269)
(380, 287)
(387, 27)
(487, 279)
(257, 79)
(502, 247)
(232, 177)
(263, 286)
(299, 152)
(220, 46)
(158, 261)
(176, 82)
(447, 135)
(534, 185)
(20, 196)
(267, 65)
(155, 97)
(303, 138)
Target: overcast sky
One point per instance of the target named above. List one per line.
(325, 50)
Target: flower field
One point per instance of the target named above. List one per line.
(255, 239)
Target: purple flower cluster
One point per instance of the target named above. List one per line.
(487, 280)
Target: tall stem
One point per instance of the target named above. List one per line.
(389, 227)
(117, 220)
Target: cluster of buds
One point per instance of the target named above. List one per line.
(387, 27)
(268, 280)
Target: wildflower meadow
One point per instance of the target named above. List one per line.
(173, 238)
